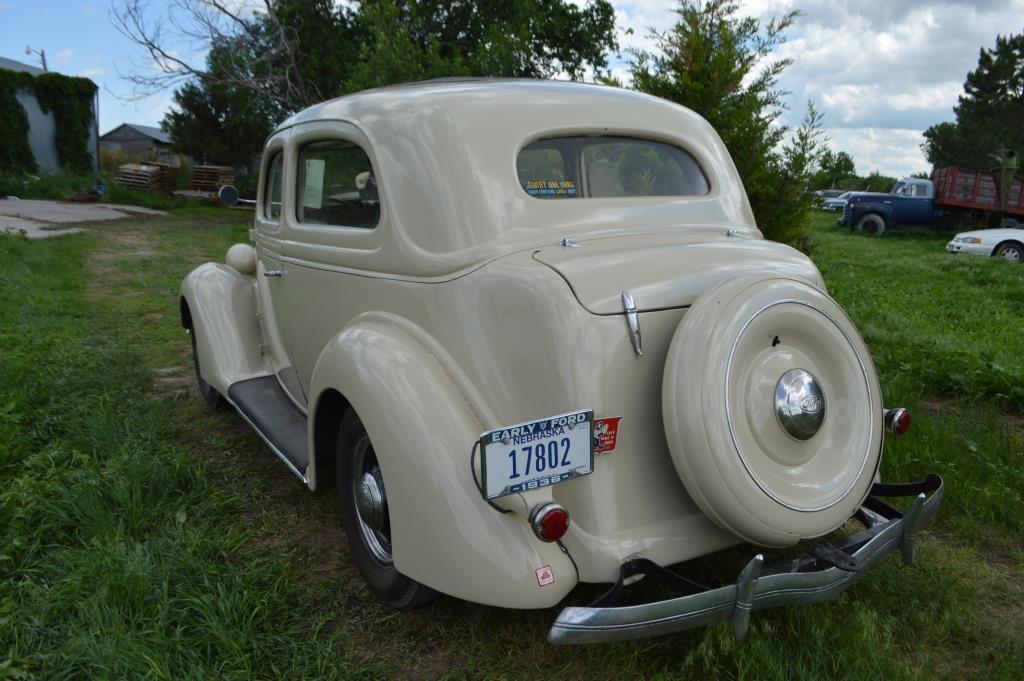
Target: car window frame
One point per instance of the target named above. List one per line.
(266, 225)
(298, 191)
(345, 247)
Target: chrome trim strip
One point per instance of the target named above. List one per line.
(266, 440)
(735, 602)
(633, 322)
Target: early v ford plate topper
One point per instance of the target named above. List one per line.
(537, 453)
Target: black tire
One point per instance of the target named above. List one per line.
(214, 400)
(370, 547)
(871, 223)
(1010, 251)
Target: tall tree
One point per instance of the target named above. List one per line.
(990, 112)
(720, 65)
(834, 170)
(288, 54)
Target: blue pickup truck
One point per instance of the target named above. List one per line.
(951, 194)
(911, 202)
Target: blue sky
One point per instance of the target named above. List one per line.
(881, 71)
(79, 40)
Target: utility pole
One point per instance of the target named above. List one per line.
(42, 55)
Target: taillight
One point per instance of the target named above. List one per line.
(549, 521)
(897, 421)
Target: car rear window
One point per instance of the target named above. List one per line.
(607, 166)
(336, 186)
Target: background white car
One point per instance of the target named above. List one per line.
(1007, 243)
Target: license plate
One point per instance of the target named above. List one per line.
(537, 453)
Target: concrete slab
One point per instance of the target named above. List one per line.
(59, 212)
(38, 218)
(34, 230)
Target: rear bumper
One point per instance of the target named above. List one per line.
(818, 575)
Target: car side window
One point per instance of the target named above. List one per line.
(920, 191)
(273, 187)
(336, 186)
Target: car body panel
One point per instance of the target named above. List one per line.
(223, 312)
(648, 266)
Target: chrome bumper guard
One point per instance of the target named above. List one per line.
(818, 575)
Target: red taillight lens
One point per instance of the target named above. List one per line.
(550, 521)
(897, 421)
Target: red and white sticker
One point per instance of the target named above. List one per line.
(545, 575)
(606, 432)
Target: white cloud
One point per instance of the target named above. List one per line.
(65, 55)
(882, 71)
(94, 73)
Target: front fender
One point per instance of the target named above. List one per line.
(881, 209)
(222, 311)
(423, 429)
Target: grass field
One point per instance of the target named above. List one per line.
(144, 537)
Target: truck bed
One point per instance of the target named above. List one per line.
(975, 189)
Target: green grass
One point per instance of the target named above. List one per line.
(144, 537)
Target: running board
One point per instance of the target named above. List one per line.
(275, 418)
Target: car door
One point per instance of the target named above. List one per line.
(919, 205)
(334, 228)
(272, 269)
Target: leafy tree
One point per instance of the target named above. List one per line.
(293, 53)
(990, 112)
(720, 65)
(224, 124)
(877, 182)
(835, 170)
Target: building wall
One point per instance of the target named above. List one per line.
(42, 132)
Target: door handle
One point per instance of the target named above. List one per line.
(271, 273)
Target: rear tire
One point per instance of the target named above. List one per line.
(214, 400)
(369, 539)
(1010, 251)
(871, 224)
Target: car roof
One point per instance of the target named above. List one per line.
(444, 152)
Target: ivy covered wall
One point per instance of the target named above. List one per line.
(68, 99)
(15, 154)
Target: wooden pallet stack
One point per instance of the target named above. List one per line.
(168, 177)
(139, 175)
(211, 178)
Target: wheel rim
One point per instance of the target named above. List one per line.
(371, 506)
(1011, 254)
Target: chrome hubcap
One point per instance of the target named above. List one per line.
(799, 404)
(371, 502)
(1011, 254)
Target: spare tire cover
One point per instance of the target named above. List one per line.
(729, 444)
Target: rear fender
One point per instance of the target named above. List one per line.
(423, 426)
(219, 304)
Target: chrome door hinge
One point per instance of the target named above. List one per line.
(569, 242)
(632, 321)
(262, 348)
(271, 273)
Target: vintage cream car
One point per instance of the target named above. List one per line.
(532, 329)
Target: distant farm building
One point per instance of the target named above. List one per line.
(140, 141)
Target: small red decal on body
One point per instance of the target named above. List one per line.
(606, 432)
(545, 575)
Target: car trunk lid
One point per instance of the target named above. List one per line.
(666, 271)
